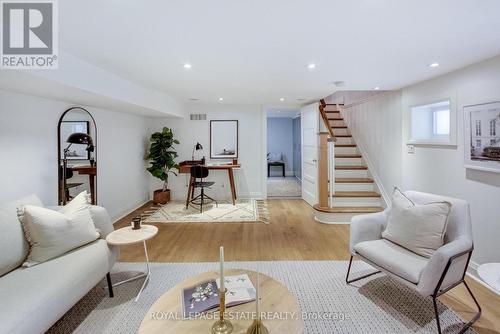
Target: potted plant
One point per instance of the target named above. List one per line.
(162, 160)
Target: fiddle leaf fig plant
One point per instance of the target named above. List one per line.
(161, 155)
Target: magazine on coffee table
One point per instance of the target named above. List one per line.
(204, 296)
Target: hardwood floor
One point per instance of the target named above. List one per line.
(292, 235)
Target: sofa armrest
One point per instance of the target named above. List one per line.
(102, 221)
(456, 252)
(367, 227)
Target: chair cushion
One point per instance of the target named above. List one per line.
(393, 258)
(275, 157)
(13, 245)
(203, 184)
(418, 228)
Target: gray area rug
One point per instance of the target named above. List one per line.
(374, 305)
(283, 187)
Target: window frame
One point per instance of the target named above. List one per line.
(451, 140)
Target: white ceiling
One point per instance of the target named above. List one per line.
(257, 51)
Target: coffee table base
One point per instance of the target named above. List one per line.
(147, 274)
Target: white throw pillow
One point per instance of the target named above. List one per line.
(52, 233)
(418, 228)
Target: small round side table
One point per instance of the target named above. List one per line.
(128, 236)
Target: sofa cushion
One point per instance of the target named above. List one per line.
(393, 258)
(13, 245)
(53, 233)
(34, 298)
(419, 228)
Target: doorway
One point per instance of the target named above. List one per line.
(284, 157)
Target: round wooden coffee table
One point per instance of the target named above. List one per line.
(277, 303)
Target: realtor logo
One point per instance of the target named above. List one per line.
(29, 35)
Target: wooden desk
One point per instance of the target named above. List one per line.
(91, 171)
(185, 168)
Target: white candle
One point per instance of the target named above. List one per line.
(222, 288)
(257, 296)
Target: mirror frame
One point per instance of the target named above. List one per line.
(237, 139)
(94, 138)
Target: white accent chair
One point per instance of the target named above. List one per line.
(428, 276)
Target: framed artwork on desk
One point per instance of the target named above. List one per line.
(224, 139)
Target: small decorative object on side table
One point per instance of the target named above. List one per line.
(130, 236)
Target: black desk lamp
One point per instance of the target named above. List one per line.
(196, 147)
(75, 138)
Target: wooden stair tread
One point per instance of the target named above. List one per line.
(350, 209)
(356, 194)
(341, 167)
(345, 145)
(353, 180)
(348, 156)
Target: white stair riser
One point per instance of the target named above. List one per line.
(354, 187)
(348, 162)
(346, 150)
(357, 201)
(335, 218)
(337, 123)
(344, 140)
(350, 173)
(341, 132)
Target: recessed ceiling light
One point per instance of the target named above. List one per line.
(193, 99)
(311, 66)
(221, 99)
(187, 66)
(282, 99)
(434, 65)
(376, 88)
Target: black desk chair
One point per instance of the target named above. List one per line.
(69, 175)
(198, 173)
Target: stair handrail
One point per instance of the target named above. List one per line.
(324, 116)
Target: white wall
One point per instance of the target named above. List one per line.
(250, 179)
(28, 150)
(376, 129)
(280, 140)
(441, 169)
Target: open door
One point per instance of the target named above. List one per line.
(310, 129)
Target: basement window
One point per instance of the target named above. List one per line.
(431, 123)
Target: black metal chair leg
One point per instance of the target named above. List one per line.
(359, 278)
(467, 325)
(110, 285)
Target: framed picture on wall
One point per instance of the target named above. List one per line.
(482, 136)
(76, 152)
(224, 139)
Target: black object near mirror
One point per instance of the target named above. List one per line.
(76, 154)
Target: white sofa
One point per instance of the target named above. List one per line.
(33, 299)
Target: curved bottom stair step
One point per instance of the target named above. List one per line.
(350, 209)
(356, 194)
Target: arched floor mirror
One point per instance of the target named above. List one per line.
(77, 154)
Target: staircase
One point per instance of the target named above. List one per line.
(355, 192)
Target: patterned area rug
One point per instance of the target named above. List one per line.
(375, 305)
(251, 211)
